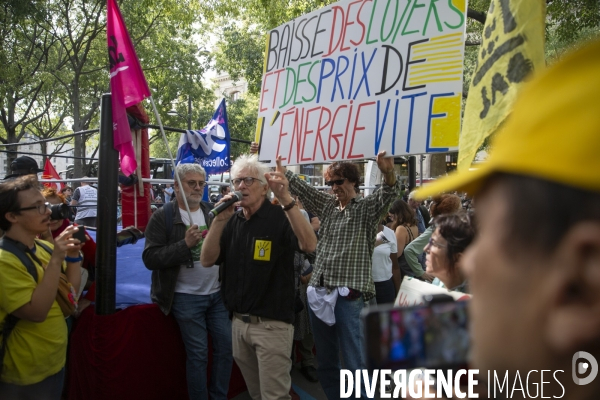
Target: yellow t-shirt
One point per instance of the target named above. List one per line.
(35, 350)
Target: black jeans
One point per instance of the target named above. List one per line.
(48, 389)
(385, 292)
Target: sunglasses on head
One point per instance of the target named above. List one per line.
(336, 182)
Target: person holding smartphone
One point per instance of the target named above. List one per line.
(88, 249)
(534, 268)
(34, 352)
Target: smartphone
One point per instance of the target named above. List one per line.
(308, 271)
(431, 336)
(80, 234)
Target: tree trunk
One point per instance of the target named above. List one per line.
(438, 165)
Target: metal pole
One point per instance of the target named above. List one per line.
(421, 158)
(412, 172)
(106, 236)
(189, 115)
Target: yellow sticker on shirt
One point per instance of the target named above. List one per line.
(262, 250)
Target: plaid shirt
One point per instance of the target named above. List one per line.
(346, 237)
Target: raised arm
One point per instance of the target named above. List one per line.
(412, 251)
(36, 310)
(301, 227)
(386, 166)
(211, 247)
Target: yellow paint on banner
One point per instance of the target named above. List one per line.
(259, 127)
(430, 75)
(459, 34)
(512, 48)
(266, 52)
(262, 250)
(436, 44)
(431, 68)
(433, 48)
(424, 81)
(460, 58)
(445, 131)
(460, 4)
(436, 65)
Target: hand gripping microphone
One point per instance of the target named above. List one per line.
(235, 197)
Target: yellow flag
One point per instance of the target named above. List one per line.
(512, 47)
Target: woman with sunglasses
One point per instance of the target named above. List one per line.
(453, 234)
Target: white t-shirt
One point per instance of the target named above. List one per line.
(382, 263)
(168, 193)
(87, 201)
(197, 280)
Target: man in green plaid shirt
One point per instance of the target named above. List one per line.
(344, 250)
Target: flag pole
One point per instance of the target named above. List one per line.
(162, 131)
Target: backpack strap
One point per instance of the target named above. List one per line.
(44, 246)
(20, 250)
(410, 235)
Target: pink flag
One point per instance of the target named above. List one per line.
(128, 85)
(50, 173)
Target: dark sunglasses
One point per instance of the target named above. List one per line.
(336, 182)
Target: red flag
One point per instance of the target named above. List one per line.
(128, 85)
(50, 173)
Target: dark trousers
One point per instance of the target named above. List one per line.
(48, 389)
(385, 292)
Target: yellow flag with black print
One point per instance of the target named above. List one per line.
(511, 49)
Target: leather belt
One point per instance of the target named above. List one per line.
(251, 319)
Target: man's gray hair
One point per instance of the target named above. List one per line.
(411, 195)
(183, 169)
(248, 161)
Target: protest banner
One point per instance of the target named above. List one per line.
(210, 146)
(512, 48)
(412, 291)
(356, 77)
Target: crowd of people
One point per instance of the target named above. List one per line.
(530, 259)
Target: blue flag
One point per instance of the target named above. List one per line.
(210, 146)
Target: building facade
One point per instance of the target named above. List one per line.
(28, 147)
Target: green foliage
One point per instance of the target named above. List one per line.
(240, 53)
(570, 20)
(242, 116)
(53, 57)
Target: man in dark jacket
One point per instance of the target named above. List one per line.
(182, 285)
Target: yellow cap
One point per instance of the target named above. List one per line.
(553, 132)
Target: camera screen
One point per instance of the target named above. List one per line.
(433, 336)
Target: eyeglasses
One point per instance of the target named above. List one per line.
(193, 184)
(336, 182)
(40, 207)
(248, 181)
(436, 244)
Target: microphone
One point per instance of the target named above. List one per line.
(235, 197)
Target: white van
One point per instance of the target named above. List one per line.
(214, 189)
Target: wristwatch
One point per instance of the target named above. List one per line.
(289, 206)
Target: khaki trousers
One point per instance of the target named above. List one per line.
(262, 351)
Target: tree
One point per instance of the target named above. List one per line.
(24, 58)
(241, 115)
